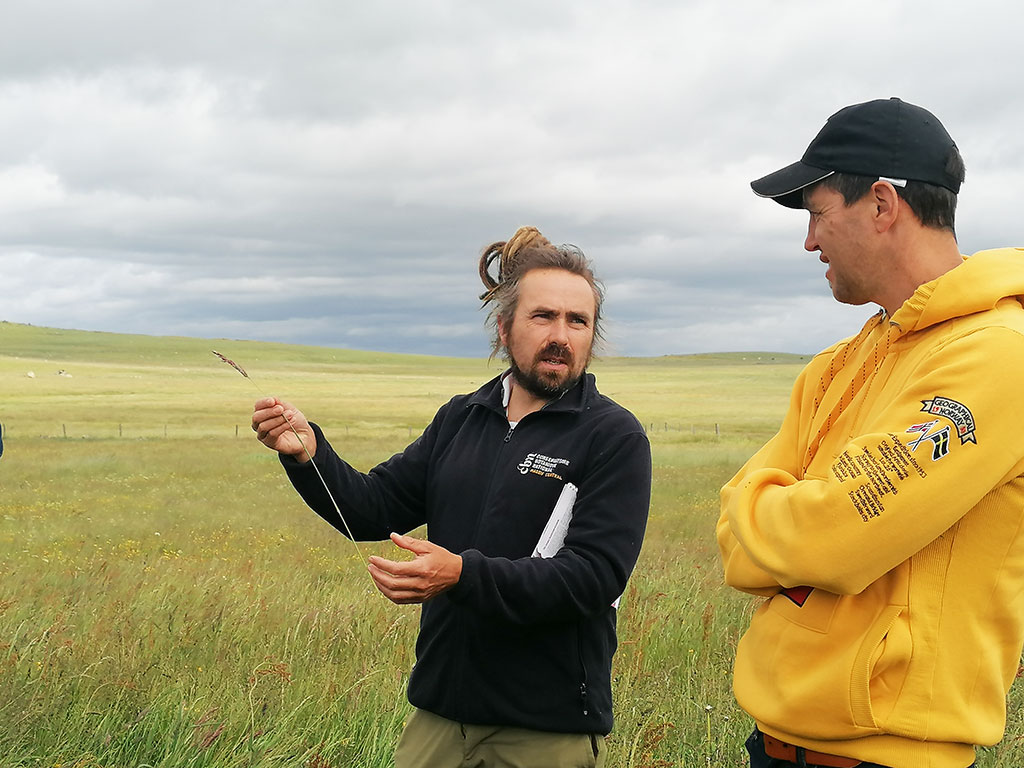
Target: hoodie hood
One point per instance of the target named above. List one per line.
(978, 284)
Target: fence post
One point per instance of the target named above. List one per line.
(717, 433)
(119, 432)
(236, 430)
(64, 429)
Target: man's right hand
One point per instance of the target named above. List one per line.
(273, 421)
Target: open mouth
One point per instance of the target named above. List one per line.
(554, 361)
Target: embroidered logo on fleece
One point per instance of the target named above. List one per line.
(958, 413)
(539, 464)
(939, 440)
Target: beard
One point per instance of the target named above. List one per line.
(547, 385)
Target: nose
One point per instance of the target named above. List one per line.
(811, 241)
(559, 332)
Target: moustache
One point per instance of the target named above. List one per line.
(555, 352)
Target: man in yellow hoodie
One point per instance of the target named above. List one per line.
(884, 523)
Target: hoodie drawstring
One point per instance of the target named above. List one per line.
(868, 369)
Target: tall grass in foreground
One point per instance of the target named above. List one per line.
(173, 603)
(158, 610)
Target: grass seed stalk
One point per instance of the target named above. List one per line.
(302, 442)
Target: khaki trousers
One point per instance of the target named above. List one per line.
(429, 741)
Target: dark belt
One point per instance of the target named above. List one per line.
(780, 750)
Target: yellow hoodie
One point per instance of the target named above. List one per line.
(885, 525)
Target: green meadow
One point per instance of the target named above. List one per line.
(167, 600)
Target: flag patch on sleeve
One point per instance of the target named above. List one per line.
(957, 413)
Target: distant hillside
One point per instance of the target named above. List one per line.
(704, 359)
(62, 345)
(58, 345)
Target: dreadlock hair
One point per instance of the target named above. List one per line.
(527, 250)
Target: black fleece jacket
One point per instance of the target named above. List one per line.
(519, 641)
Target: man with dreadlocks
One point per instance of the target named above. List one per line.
(534, 490)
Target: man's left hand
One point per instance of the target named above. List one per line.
(434, 570)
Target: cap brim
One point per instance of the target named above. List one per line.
(786, 186)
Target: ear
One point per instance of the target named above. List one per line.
(502, 332)
(886, 204)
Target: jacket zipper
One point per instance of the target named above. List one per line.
(579, 639)
(495, 465)
(476, 527)
(583, 670)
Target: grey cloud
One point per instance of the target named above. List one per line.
(327, 172)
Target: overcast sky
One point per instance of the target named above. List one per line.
(328, 171)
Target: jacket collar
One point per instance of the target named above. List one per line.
(574, 401)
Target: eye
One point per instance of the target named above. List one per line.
(579, 320)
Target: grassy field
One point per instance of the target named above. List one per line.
(167, 600)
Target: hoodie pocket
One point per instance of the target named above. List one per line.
(809, 608)
(880, 668)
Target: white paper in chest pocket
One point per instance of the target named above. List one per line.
(552, 538)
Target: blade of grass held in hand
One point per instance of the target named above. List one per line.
(232, 363)
(302, 442)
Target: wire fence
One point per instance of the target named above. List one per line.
(171, 431)
(693, 429)
(135, 431)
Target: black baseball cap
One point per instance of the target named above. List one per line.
(888, 138)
